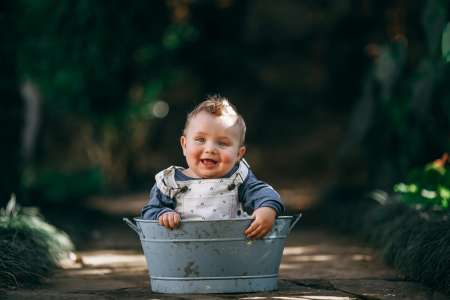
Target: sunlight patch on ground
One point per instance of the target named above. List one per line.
(90, 272)
(311, 298)
(315, 258)
(302, 297)
(112, 259)
(362, 257)
(328, 298)
(299, 250)
(104, 262)
(289, 266)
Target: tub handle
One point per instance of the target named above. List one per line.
(133, 226)
(295, 222)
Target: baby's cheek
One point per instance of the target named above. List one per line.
(195, 154)
(227, 159)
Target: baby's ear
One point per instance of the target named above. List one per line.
(183, 144)
(242, 151)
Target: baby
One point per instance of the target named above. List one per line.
(218, 183)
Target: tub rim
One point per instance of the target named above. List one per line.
(137, 228)
(209, 220)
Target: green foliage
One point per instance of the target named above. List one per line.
(428, 187)
(58, 186)
(101, 65)
(404, 110)
(87, 55)
(11, 105)
(30, 247)
(446, 43)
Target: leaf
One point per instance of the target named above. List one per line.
(444, 193)
(446, 43)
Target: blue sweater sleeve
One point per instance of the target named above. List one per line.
(157, 205)
(254, 193)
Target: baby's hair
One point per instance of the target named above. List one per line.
(218, 106)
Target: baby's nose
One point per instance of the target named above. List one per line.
(210, 148)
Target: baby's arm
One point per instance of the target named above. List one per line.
(263, 203)
(162, 208)
(264, 217)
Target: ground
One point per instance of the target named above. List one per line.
(317, 263)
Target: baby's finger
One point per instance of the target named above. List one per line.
(253, 234)
(261, 232)
(177, 219)
(171, 220)
(251, 228)
(165, 220)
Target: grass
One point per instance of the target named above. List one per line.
(416, 241)
(30, 247)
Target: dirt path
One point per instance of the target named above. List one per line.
(317, 264)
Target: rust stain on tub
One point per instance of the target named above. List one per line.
(191, 270)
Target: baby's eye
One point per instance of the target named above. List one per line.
(199, 139)
(223, 143)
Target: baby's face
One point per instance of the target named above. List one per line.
(211, 145)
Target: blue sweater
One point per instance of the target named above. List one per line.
(253, 194)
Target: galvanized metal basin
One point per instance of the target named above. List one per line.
(211, 256)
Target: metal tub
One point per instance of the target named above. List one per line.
(211, 256)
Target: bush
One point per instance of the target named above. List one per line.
(30, 247)
(415, 240)
(428, 187)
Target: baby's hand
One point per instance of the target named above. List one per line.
(264, 217)
(170, 219)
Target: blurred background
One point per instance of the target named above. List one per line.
(94, 94)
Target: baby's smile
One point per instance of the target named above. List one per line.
(209, 163)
